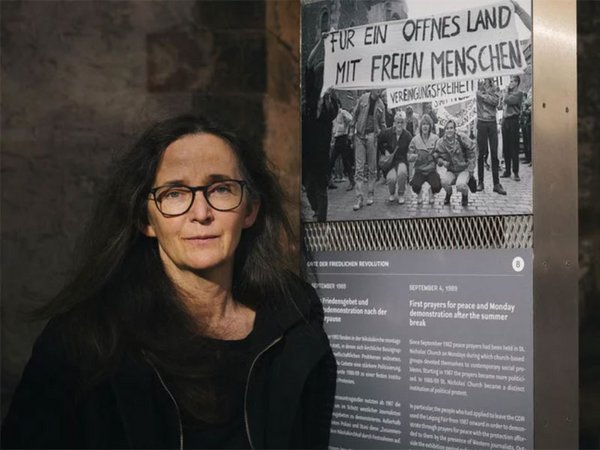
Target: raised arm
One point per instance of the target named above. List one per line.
(513, 98)
(490, 97)
(525, 18)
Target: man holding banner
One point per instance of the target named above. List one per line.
(368, 121)
(512, 101)
(487, 132)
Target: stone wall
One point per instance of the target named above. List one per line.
(281, 103)
(80, 80)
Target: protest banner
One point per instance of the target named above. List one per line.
(465, 117)
(375, 38)
(449, 101)
(453, 91)
(439, 94)
(452, 47)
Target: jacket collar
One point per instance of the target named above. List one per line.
(403, 132)
(292, 309)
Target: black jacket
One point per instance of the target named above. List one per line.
(288, 400)
(388, 141)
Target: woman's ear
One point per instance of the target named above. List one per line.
(148, 230)
(251, 213)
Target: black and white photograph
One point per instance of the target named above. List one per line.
(415, 108)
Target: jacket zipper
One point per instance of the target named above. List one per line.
(174, 402)
(245, 394)
(248, 385)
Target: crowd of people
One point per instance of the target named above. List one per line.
(404, 151)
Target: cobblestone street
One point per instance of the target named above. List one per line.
(517, 201)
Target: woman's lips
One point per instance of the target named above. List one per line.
(201, 239)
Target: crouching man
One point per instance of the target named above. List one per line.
(456, 152)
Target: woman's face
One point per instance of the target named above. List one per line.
(425, 128)
(203, 240)
(449, 130)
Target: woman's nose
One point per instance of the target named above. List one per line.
(201, 209)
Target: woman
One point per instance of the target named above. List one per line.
(456, 152)
(181, 329)
(395, 140)
(421, 153)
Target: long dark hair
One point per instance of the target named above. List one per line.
(120, 295)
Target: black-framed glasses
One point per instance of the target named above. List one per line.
(223, 195)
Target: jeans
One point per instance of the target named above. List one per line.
(433, 178)
(461, 179)
(341, 146)
(316, 192)
(487, 132)
(397, 176)
(365, 152)
(510, 144)
(526, 130)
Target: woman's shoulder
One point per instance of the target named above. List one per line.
(406, 135)
(301, 302)
(47, 379)
(56, 358)
(50, 347)
(303, 294)
(57, 391)
(64, 346)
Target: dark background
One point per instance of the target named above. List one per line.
(79, 80)
(588, 97)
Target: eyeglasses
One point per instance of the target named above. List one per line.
(223, 195)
